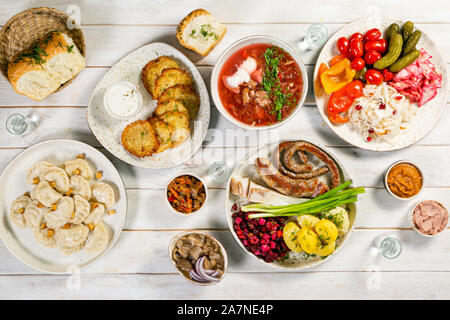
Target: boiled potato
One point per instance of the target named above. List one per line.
(326, 230)
(290, 236)
(309, 240)
(307, 220)
(327, 249)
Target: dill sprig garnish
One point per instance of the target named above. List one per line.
(271, 82)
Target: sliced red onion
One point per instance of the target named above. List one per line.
(201, 271)
(212, 273)
(195, 276)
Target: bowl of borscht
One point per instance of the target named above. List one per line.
(259, 82)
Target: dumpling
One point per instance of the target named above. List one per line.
(37, 170)
(104, 193)
(34, 214)
(71, 240)
(78, 167)
(99, 238)
(62, 215)
(82, 209)
(17, 210)
(57, 176)
(45, 237)
(80, 186)
(97, 212)
(45, 194)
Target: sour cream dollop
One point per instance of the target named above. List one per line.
(242, 74)
(122, 100)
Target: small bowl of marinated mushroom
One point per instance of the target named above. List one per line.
(198, 257)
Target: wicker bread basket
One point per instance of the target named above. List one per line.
(25, 28)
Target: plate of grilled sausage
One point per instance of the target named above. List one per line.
(282, 173)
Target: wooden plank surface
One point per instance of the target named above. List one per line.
(139, 261)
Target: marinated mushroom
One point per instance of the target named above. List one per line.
(192, 248)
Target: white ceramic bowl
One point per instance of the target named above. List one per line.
(167, 200)
(174, 240)
(410, 218)
(107, 97)
(386, 176)
(232, 49)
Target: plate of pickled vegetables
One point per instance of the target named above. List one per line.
(288, 219)
(381, 83)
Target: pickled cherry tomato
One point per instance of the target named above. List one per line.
(356, 35)
(374, 77)
(372, 56)
(379, 45)
(372, 34)
(356, 47)
(342, 45)
(358, 63)
(387, 75)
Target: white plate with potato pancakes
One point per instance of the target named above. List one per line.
(173, 119)
(62, 206)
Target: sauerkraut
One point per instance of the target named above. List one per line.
(381, 113)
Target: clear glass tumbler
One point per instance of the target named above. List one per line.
(219, 171)
(18, 124)
(389, 246)
(315, 37)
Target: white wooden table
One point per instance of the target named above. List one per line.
(138, 265)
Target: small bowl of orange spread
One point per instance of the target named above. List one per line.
(403, 180)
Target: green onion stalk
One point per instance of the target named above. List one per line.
(327, 201)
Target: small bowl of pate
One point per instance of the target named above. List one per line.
(429, 218)
(122, 100)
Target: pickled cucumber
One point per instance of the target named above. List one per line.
(395, 49)
(411, 43)
(407, 29)
(404, 61)
(393, 28)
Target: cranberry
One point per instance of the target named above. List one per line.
(394, 112)
(371, 131)
(261, 221)
(369, 139)
(382, 106)
(238, 220)
(358, 107)
(398, 97)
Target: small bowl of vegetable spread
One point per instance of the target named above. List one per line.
(186, 194)
(403, 180)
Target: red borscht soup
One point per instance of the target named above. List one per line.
(260, 84)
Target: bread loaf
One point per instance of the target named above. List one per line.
(39, 71)
(200, 31)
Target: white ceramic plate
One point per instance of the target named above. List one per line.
(21, 242)
(245, 168)
(108, 130)
(230, 51)
(427, 116)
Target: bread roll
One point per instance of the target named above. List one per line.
(200, 31)
(41, 70)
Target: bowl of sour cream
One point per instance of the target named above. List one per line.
(122, 100)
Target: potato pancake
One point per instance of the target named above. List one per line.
(163, 133)
(170, 77)
(186, 95)
(170, 105)
(153, 70)
(139, 139)
(179, 126)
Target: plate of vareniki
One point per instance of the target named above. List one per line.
(62, 205)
